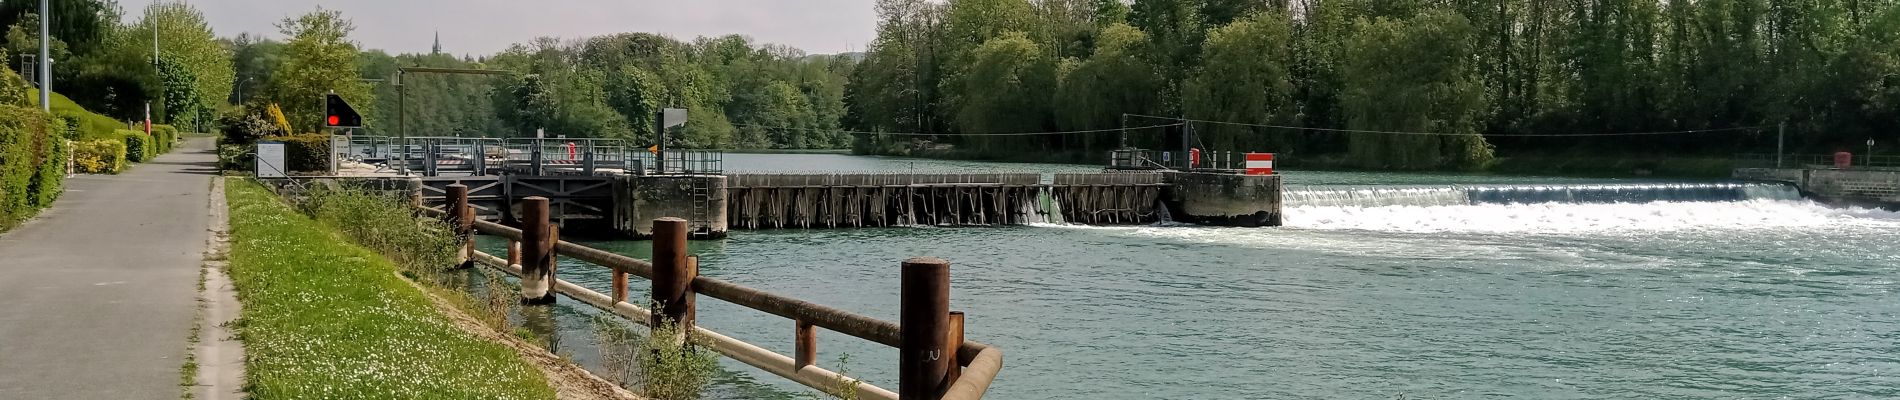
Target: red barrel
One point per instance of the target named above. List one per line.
(1843, 160)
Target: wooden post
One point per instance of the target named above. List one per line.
(462, 218)
(923, 321)
(620, 285)
(537, 259)
(415, 194)
(672, 273)
(953, 366)
(806, 352)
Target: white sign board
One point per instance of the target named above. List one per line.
(672, 117)
(270, 160)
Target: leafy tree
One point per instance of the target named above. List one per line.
(84, 25)
(1115, 80)
(1008, 90)
(1414, 75)
(318, 59)
(1245, 79)
(185, 38)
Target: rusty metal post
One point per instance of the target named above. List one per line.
(923, 322)
(672, 273)
(462, 218)
(514, 252)
(806, 351)
(537, 259)
(620, 285)
(953, 366)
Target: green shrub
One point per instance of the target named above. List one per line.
(27, 146)
(675, 365)
(99, 156)
(306, 153)
(236, 157)
(73, 126)
(15, 91)
(166, 136)
(240, 127)
(50, 179)
(138, 147)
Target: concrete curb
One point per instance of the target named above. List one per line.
(219, 354)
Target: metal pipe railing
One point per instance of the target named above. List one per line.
(976, 363)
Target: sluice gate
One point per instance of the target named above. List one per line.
(778, 201)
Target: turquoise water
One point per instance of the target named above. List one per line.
(1763, 297)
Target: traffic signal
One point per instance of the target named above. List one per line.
(338, 113)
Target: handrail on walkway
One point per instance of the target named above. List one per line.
(928, 326)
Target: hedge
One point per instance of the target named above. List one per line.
(167, 136)
(32, 162)
(306, 153)
(138, 148)
(99, 156)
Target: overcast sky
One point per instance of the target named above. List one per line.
(486, 26)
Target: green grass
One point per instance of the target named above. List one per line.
(325, 319)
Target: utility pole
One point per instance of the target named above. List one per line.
(46, 58)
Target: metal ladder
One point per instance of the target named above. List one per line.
(700, 226)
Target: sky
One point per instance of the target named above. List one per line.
(480, 27)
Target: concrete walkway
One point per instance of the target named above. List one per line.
(97, 295)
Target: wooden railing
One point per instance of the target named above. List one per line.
(928, 328)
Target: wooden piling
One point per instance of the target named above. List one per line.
(537, 252)
(462, 217)
(953, 367)
(923, 322)
(672, 273)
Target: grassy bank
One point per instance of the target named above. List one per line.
(325, 319)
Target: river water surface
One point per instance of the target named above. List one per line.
(1736, 291)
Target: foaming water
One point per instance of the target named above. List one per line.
(1374, 196)
(1572, 218)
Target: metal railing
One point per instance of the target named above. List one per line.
(430, 156)
(1141, 159)
(1761, 160)
(928, 331)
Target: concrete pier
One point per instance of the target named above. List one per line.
(1225, 199)
(1851, 187)
(699, 199)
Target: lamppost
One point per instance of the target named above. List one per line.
(46, 58)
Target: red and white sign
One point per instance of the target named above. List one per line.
(1259, 163)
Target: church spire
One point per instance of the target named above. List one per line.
(438, 44)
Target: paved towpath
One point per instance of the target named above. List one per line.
(97, 295)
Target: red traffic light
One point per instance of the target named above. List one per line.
(334, 120)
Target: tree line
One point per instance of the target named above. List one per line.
(1481, 76)
(1464, 80)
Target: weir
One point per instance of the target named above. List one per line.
(1424, 196)
(605, 185)
(773, 201)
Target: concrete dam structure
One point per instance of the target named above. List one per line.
(714, 204)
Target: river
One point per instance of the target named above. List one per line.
(1706, 291)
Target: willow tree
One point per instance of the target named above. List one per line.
(1244, 78)
(1116, 79)
(1007, 89)
(1414, 75)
